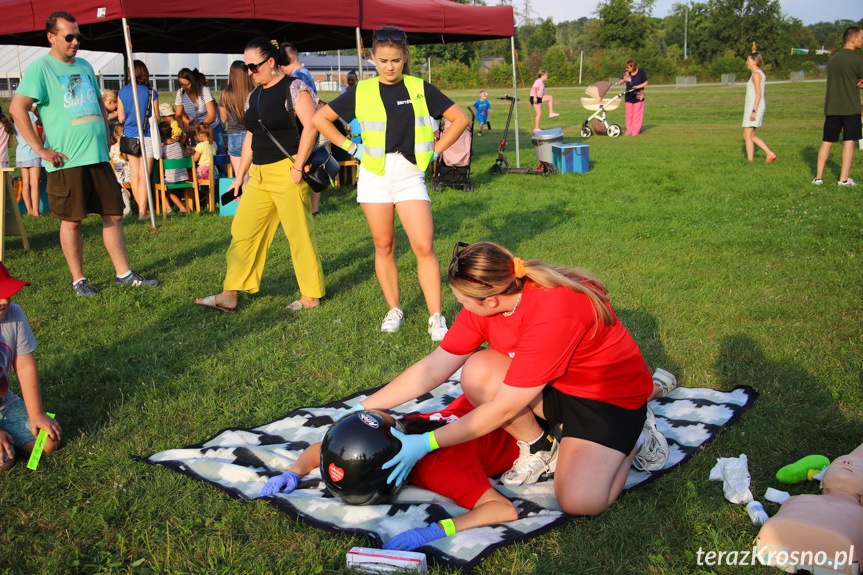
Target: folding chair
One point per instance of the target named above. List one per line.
(189, 187)
(212, 183)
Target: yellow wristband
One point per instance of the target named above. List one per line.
(448, 526)
(346, 145)
(432, 441)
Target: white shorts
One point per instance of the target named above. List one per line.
(401, 181)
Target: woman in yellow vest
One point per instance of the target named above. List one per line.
(396, 112)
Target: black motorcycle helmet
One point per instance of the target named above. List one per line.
(352, 453)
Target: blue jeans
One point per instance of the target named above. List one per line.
(15, 421)
(219, 138)
(235, 144)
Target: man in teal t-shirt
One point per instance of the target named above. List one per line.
(842, 106)
(80, 178)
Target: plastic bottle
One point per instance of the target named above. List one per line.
(756, 512)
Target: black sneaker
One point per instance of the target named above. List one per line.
(136, 280)
(84, 289)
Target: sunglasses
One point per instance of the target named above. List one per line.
(70, 37)
(395, 35)
(254, 67)
(456, 251)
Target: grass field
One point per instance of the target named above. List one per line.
(725, 272)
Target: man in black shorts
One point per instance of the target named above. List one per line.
(80, 178)
(842, 105)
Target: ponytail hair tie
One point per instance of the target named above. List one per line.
(518, 267)
(275, 43)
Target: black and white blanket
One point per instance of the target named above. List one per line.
(240, 461)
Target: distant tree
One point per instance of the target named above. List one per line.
(736, 24)
(544, 37)
(624, 23)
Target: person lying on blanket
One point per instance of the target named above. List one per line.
(558, 352)
(460, 473)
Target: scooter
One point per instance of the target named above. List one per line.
(501, 164)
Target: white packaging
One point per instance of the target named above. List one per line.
(757, 513)
(776, 496)
(371, 560)
(733, 472)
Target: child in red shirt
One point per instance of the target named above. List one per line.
(460, 474)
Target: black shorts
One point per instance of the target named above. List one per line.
(597, 421)
(850, 127)
(75, 192)
(535, 101)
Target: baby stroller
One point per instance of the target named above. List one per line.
(452, 169)
(599, 104)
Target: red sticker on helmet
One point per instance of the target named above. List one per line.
(336, 473)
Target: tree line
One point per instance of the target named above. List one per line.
(702, 39)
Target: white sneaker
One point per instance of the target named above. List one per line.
(529, 467)
(654, 452)
(817, 182)
(437, 327)
(665, 380)
(848, 182)
(393, 320)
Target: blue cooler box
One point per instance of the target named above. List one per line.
(230, 208)
(570, 158)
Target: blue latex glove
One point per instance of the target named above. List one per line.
(284, 483)
(358, 155)
(410, 540)
(355, 409)
(414, 447)
(435, 156)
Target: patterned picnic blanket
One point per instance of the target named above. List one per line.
(239, 461)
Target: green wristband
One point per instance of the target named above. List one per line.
(432, 441)
(346, 145)
(448, 527)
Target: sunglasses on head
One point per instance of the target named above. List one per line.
(70, 37)
(395, 35)
(254, 67)
(456, 251)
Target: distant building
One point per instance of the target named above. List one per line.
(488, 63)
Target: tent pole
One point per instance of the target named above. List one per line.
(360, 54)
(515, 95)
(128, 40)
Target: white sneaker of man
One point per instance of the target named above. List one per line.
(654, 452)
(437, 327)
(393, 320)
(529, 467)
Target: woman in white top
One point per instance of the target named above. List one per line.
(756, 105)
(196, 101)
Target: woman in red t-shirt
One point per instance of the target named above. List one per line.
(559, 353)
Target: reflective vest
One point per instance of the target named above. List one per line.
(372, 117)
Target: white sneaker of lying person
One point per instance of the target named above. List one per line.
(653, 453)
(529, 467)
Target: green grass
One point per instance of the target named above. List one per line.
(725, 272)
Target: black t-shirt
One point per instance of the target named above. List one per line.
(400, 113)
(284, 126)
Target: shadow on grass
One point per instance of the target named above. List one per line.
(792, 405)
(645, 331)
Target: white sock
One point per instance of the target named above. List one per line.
(640, 442)
(77, 281)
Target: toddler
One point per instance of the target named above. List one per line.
(204, 150)
(482, 107)
(109, 98)
(121, 168)
(173, 150)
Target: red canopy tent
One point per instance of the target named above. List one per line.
(169, 26)
(166, 25)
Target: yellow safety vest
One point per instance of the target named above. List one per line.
(372, 117)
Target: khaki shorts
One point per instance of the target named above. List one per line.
(75, 192)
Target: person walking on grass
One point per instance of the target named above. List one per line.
(754, 108)
(396, 113)
(842, 107)
(80, 178)
(20, 421)
(538, 96)
(558, 353)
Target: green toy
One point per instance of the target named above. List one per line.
(800, 470)
(36, 454)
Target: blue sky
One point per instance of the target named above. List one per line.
(809, 11)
